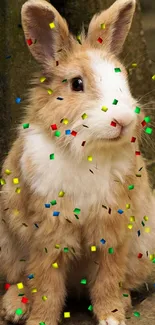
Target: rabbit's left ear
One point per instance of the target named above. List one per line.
(45, 30)
(110, 28)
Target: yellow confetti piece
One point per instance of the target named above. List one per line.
(104, 109)
(67, 314)
(2, 181)
(18, 190)
(132, 219)
(50, 91)
(55, 265)
(153, 77)
(44, 298)
(127, 206)
(151, 257)
(90, 158)
(52, 25)
(84, 116)
(146, 218)
(61, 194)
(15, 212)
(7, 171)
(103, 26)
(147, 229)
(34, 290)
(57, 246)
(134, 65)
(42, 79)
(15, 181)
(78, 37)
(65, 121)
(93, 248)
(130, 226)
(20, 285)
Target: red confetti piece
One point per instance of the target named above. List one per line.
(140, 255)
(57, 63)
(7, 286)
(54, 127)
(74, 133)
(24, 300)
(109, 211)
(83, 143)
(137, 153)
(113, 124)
(29, 41)
(143, 123)
(100, 40)
(133, 139)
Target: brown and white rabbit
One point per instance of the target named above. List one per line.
(69, 210)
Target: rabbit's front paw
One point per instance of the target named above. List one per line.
(15, 308)
(111, 321)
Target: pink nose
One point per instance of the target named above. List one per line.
(122, 123)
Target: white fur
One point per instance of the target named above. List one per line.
(111, 321)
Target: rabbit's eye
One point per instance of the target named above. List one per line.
(77, 84)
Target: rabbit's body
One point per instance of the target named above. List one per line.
(94, 234)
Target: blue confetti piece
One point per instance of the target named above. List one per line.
(67, 132)
(102, 241)
(56, 213)
(120, 211)
(138, 232)
(8, 57)
(47, 205)
(18, 100)
(30, 276)
(59, 98)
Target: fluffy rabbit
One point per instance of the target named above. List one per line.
(73, 209)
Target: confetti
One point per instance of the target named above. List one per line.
(89, 158)
(93, 248)
(146, 218)
(83, 281)
(83, 143)
(56, 213)
(143, 123)
(42, 79)
(140, 255)
(102, 241)
(137, 153)
(29, 41)
(131, 187)
(104, 108)
(57, 246)
(125, 295)
(114, 311)
(53, 202)
(64, 80)
(103, 26)
(61, 194)
(84, 116)
(44, 298)
(138, 233)
(55, 265)
(91, 171)
(67, 132)
(113, 124)
(52, 156)
(15, 181)
(57, 134)
(153, 77)
(78, 37)
(50, 91)
(130, 226)
(8, 57)
(18, 190)
(34, 290)
(42, 323)
(36, 225)
(19, 311)
(148, 130)
(136, 314)
(137, 110)
(57, 63)
(74, 133)
(77, 210)
(52, 25)
(127, 206)
(111, 250)
(47, 205)
(26, 125)
(132, 219)
(109, 211)
(20, 285)
(46, 251)
(147, 119)
(66, 250)
(60, 98)
(65, 121)
(67, 314)
(115, 101)
(90, 308)
(147, 229)
(134, 65)
(100, 40)
(143, 224)
(7, 286)
(133, 139)
(120, 211)
(18, 100)
(54, 127)
(117, 70)
(7, 171)
(24, 300)
(2, 181)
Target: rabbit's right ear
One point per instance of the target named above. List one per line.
(46, 32)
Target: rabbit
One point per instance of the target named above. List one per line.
(77, 209)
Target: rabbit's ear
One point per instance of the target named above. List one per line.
(110, 28)
(46, 32)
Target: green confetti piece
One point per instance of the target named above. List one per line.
(103, 26)
(65, 80)
(2, 181)
(42, 323)
(84, 116)
(90, 308)
(147, 119)
(57, 133)
(66, 250)
(153, 261)
(136, 314)
(83, 281)
(52, 156)
(76, 216)
(137, 110)
(77, 210)
(53, 202)
(115, 101)
(111, 250)
(143, 224)
(26, 125)
(148, 130)
(125, 295)
(21, 294)
(19, 311)
(117, 70)
(131, 187)
(46, 251)
(104, 108)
